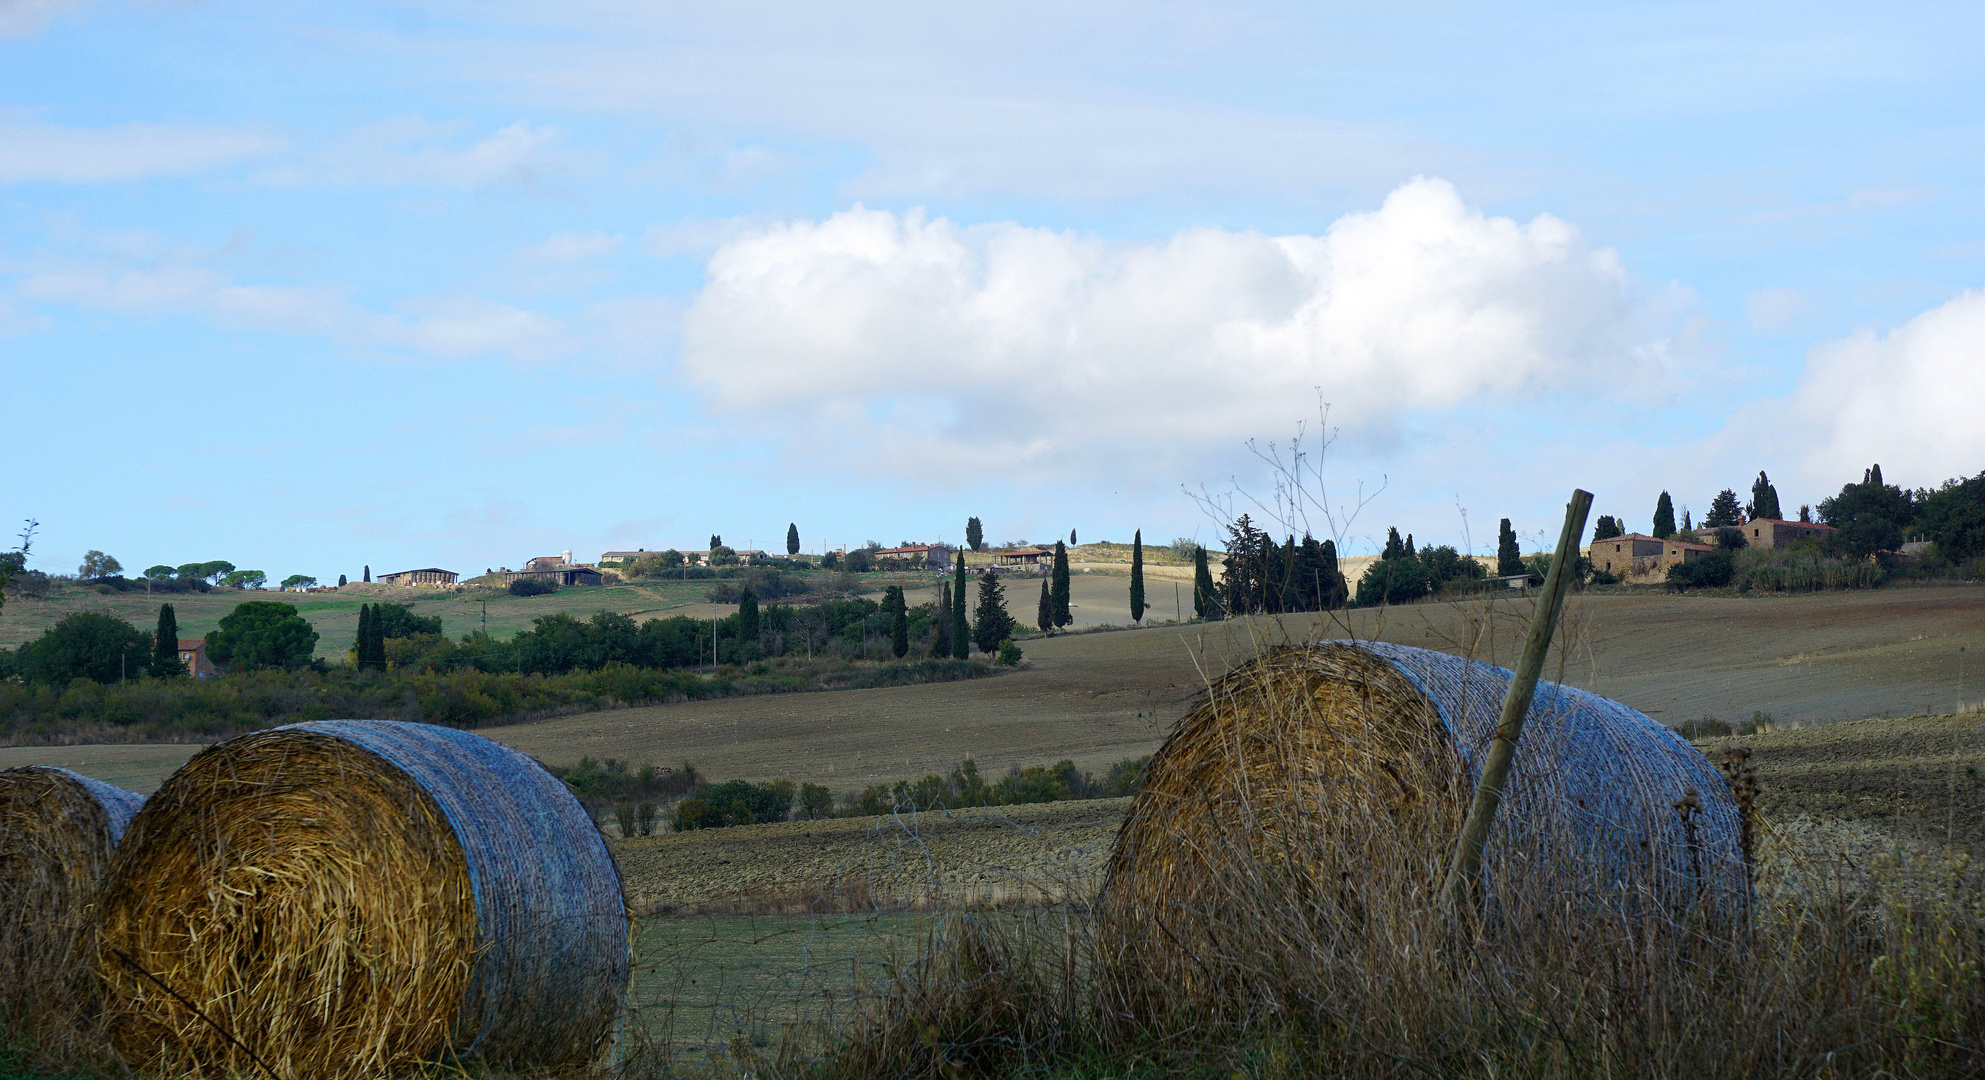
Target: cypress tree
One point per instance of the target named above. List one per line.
(368, 571)
(1395, 547)
(1509, 558)
(1664, 517)
(992, 622)
(341, 581)
(362, 647)
(747, 619)
(1205, 602)
(899, 621)
(1336, 591)
(940, 646)
(1764, 499)
(975, 534)
(1607, 528)
(1687, 526)
(376, 638)
(1875, 476)
(1059, 591)
(792, 538)
(1045, 618)
(1137, 576)
(165, 645)
(1071, 532)
(1410, 553)
(961, 634)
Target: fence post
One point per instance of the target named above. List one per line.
(1463, 876)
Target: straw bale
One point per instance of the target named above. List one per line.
(57, 832)
(347, 897)
(1336, 771)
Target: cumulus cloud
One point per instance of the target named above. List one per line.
(31, 150)
(1907, 399)
(1042, 347)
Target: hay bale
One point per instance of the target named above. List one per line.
(1333, 778)
(57, 832)
(346, 897)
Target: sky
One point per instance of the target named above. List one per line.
(311, 288)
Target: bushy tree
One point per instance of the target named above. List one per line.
(991, 622)
(1509, 558)
(299, 581)
(245, 579)
(1953, 517)
(1251, 578)
(975, 534)
(165, 645)
(86, 645)
(262, 633)
(1059, 589)
(961, 641)
(1664, 517)
(1764, 499)
(1870, 515)
(1445, 564)
(1607, 528)
(1711, 571)
(1137, 576)
(97, 565)
(1723, 511)
(1205, 602)
(792, 538)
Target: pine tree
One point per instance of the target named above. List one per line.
(165, 645)
(992, 623)
(1059, 590)
(1664, 517)
(1045, 617)
(1509, 558)
(1137, 576)
(368, 571)
(1723, 511)
(1205, 602)
(961, 634)
(792, 538)
(1764, 499)
(899, 621)
(975, 534)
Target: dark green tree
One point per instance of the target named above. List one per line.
(86, 645)
(1664, 517)
(1607, 528)
(898, 610)
(747, 619)
(1059, 587)
(975, 534)
(1873, 475)
(165, 645)
(341, 581)
(362, 643)
(399, 621)
(1509, 558)
(1045, 617)
(1333, 590)
(716, 541)
(368, 571)
(940, 646)
(262, 633)
(1724, 511)
(1205, 602)
(793, 538)
(1871, 516)
(1071, 538)
(1764, 499)
(1394, 546)
(1953, 517)
(961, 634)
(1399, 580)
(991, 622)
(1137, 576)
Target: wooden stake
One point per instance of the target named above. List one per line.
(1463, 877)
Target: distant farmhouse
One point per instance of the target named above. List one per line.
(1021, 557)
(193, 653)
(431, 575)
(1640, 559)
(1775, 533)
(622, 558)
(556, 570)
(917, 555)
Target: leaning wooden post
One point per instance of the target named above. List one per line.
(1463, 875)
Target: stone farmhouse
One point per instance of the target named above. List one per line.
(1640, 559)
(1777, 533)
(193, 653)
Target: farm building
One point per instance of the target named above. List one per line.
(622, 558)
(193, 653)
(1021, 557)
(430, 575)
(1776, 533)
(1641, 559)
(549, 562)
(917, 555)
(557, 575)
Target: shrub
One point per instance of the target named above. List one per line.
(1008, 655)
(530, 586)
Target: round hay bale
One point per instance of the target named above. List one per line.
(346, 897)
(57, 832)
(1331, 780)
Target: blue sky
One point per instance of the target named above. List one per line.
(310, 288)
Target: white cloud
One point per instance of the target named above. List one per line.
(1772, 310)
(1043, 348)
(1907, 399)
(31, 150)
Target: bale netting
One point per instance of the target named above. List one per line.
(57, 832)
(347, 897)
(1327, 783)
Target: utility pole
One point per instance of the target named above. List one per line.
(1178, 604)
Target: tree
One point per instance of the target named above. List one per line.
(858, 561)
(1333, 590)
(1045, 617)
(830, 561)
(792, 538)
(1071, 538)
(1870, 515)
(165, 645)
(1724, 512)
(1607, 528)
(1509, 558)
(1687, 525)
(1954, 518)
(1058, 589)
(940, 646)
(1137, 576)
(747, 619)
(898, 611)
(15, 563)
(86, 645)
(716, 541)
(992, 623)
(362, 644)
(1764, 499)
(299, 581)
(961, 641)
(97, 565)
(160, 572)
(1395, 547)
(1205, 602)
(1664, 517)
(975, 534)
(262, 633)
(245, 579)
(341, 581)
(1245, 580)
(368, 571)
(1398, 580)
